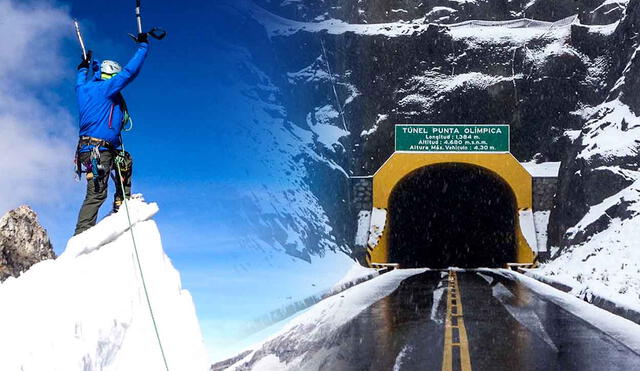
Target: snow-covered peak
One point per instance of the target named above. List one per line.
(87, 309)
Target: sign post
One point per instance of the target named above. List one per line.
(452, 138)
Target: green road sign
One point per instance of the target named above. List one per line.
(452, 138)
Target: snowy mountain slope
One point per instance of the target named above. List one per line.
(283, 242)
(568, 88)
(436, 68)
(603, 161)
(284, 213)
(538, 76)
(86, 310)
(597, 210)
(608, 264)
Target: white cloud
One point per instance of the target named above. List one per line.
(36, 135)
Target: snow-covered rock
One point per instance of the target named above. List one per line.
(608, 262)
(595, 221)
(87, 310)
(449, 11)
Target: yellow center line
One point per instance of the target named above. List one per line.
(454, 303)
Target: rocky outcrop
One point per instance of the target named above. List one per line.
(23, 242)
(596, 181)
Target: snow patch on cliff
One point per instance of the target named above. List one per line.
(432, 87)
(520, 29)
(613, 132)
(629, 195)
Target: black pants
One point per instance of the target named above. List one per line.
(97, 187)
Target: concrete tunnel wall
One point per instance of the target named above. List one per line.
(400, 165)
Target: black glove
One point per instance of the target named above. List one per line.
(141, 38)
(85, 61)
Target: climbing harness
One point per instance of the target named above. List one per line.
(92, 166)
(95, 164)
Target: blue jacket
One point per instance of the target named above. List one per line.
(100, 103)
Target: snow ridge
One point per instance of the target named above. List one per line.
(280, 26)
(96, 314)
(94, 238)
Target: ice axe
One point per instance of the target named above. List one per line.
(79, 34)
(155, 32)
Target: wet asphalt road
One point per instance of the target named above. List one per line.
(507, 326)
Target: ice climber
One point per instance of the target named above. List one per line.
(103, 115)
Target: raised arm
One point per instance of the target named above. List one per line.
(81, 78)
(129, 72)
(83, 69)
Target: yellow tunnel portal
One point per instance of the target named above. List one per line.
(451, 209)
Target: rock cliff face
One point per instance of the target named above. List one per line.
(600, 169)
(561, 73)
(23, 242)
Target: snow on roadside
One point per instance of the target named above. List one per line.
(87, 311)
(356, 273)
(619, 328)
(608, 264)
(322, 319)
(324, 316)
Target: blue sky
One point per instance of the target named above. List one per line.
(187, 155)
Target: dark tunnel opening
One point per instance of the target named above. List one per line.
(452, 215)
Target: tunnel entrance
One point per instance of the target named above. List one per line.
(452, 214)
